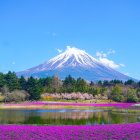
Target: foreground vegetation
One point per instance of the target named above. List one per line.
(102, 132)
(15, 89)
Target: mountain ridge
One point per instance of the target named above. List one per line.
(77, 63)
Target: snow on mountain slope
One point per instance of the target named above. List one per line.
(77, 63)
(71, 57)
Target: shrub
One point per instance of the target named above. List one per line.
(118, 98)
(16, 96)
(1, 97)
(132, 96)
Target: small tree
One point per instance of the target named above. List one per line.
(132, 96)
(116, 94)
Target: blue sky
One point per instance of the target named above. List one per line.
(31, 31)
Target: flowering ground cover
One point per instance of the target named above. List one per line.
(98, 132)
(122, 105)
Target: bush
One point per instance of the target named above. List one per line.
(132, 96)
(116, 94)
(2, 98)
(118, 98)
(16, 96)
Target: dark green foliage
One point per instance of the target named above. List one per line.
(100, 83)
(94, 91)
(129, 82)
(22, 83)
(2, 80)
(33, 89)
(81, 85)
(69, 84)
(115, 82)
(115, 90)
(12, 82)
(139, 84)
(69, 81)
(106, 83)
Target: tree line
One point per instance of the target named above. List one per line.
(19, 88)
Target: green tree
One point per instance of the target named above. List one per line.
(2, 81)
(106, 83)
(116, 94)
(81, 85)
(100, 83)
(94, 90)
(69, 84)
(138, 84)
(33, 89)
(23, 83)
(115, 82)
(12, 81)
(132, 96)
(130, 82)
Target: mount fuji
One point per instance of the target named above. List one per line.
(77, 63)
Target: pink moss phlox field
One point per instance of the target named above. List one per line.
(98, 132)
(40, 103)
(36, 103)
(121, 105)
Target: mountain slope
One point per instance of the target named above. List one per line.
(77, 63)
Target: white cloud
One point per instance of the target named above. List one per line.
(68, 47)
(13, 63)
(102, 58)
(59, 50)
(108, 62)
(101, 54)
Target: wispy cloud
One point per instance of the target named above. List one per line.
(103, 58)
(13, 63)
(102, 54)
(59, 50)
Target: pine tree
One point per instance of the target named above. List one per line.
(33, 89)
(12, 81)
(23, 83)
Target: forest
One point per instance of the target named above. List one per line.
(16, 89)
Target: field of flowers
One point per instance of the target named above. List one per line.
(41, 103)
(121, 105)
(99, 132)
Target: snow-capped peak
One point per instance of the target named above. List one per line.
(71, 57)
(77, 63)
(74, 51)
